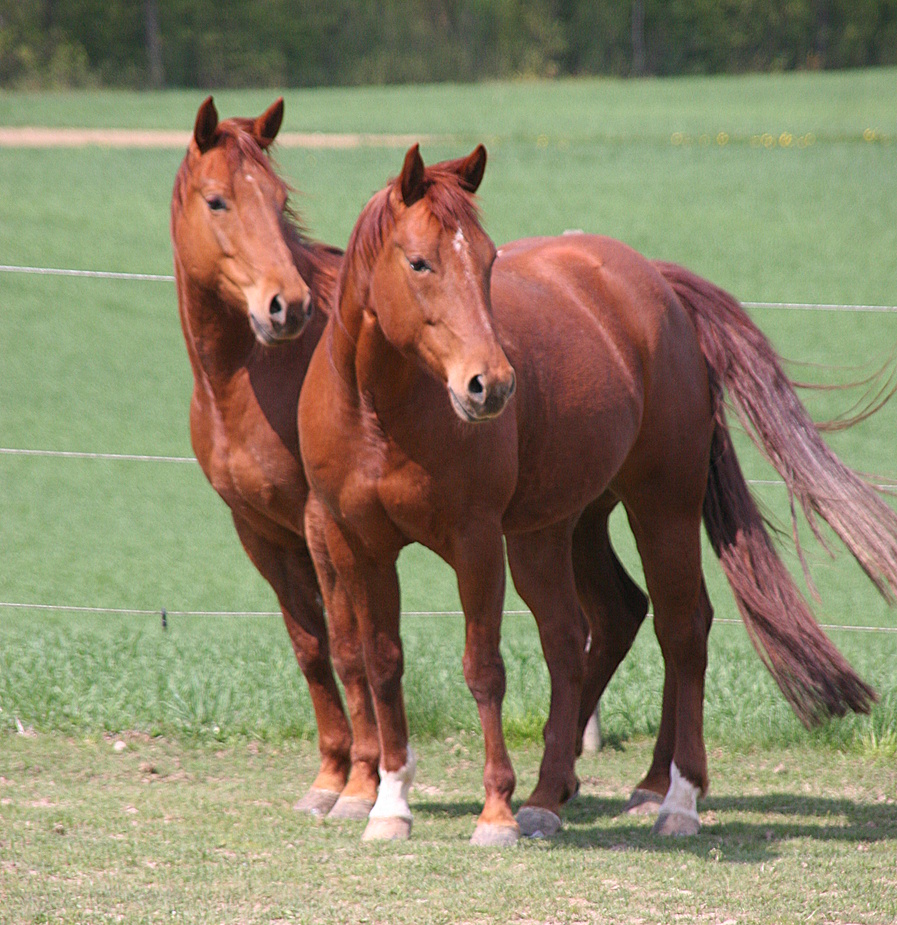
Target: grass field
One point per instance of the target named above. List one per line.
(779, 188)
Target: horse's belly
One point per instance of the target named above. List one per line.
(557, 493)
(571, 446)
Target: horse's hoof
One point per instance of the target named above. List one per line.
(537, 822)
(317, 802)
(387, 828)
(676, 824)
(643, 802)
(351, 808)
(490, 835)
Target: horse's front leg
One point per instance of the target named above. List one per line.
(480, 567)
(372, 584)
(288, 568)
(378, 607)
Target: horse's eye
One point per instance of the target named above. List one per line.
(216, 204)
(418, 264)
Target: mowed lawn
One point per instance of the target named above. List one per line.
(779, 188)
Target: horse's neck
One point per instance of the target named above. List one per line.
(369, 367)
(219, 342)
(318, 265)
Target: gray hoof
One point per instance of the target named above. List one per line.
(676, 824)
(536, 822)
(643, 802)
(351, 808)
(317, 802)
(487, 834)
(387, 828)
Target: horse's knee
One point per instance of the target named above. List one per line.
(485, 676)
(385, 665)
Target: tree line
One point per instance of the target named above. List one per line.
(301, 43)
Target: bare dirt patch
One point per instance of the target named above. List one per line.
(42, 137)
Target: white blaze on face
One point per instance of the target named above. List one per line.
(682, 797)
(392, 797)
(462, 249)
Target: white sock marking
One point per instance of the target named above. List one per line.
(682, 797)
(392, 797)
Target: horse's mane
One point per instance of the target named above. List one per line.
(318, 264)
(450, 204)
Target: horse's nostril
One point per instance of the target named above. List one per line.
(476, 387)
(307, 305)
(277, 309)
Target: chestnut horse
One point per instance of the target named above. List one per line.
(244, 276)
(247, 282)
(445, 407)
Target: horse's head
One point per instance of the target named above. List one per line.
(229, 225)
(425, 263)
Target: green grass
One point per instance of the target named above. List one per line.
(99, 365)
(833, 104)
(161, 831)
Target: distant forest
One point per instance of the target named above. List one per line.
(304, 43)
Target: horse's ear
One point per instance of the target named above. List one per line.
(471, 169)
(267, 125)
(412, 177)
(206, 124)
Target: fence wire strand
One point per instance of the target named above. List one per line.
(135, 457)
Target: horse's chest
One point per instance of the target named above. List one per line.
(378, 500)
(255, 476)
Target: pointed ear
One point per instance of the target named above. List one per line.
(411, 179)
(471, 169)
(206, 124)
(267, 125)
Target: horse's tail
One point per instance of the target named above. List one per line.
(814, 677)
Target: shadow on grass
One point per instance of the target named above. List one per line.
(599, 823)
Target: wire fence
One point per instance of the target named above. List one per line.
(131, 457)
(155, 277)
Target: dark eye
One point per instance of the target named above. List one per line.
(418, 264)
(216, 204)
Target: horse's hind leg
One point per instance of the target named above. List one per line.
(542, 570)
(616, 607)
(669, 545)
(613, 603)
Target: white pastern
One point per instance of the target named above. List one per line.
(682, 797)
(392, 797)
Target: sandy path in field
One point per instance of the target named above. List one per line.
(34, 137)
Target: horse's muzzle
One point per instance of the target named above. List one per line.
(485, 396)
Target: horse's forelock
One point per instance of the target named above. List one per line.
(451, 204)
(235, 136)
